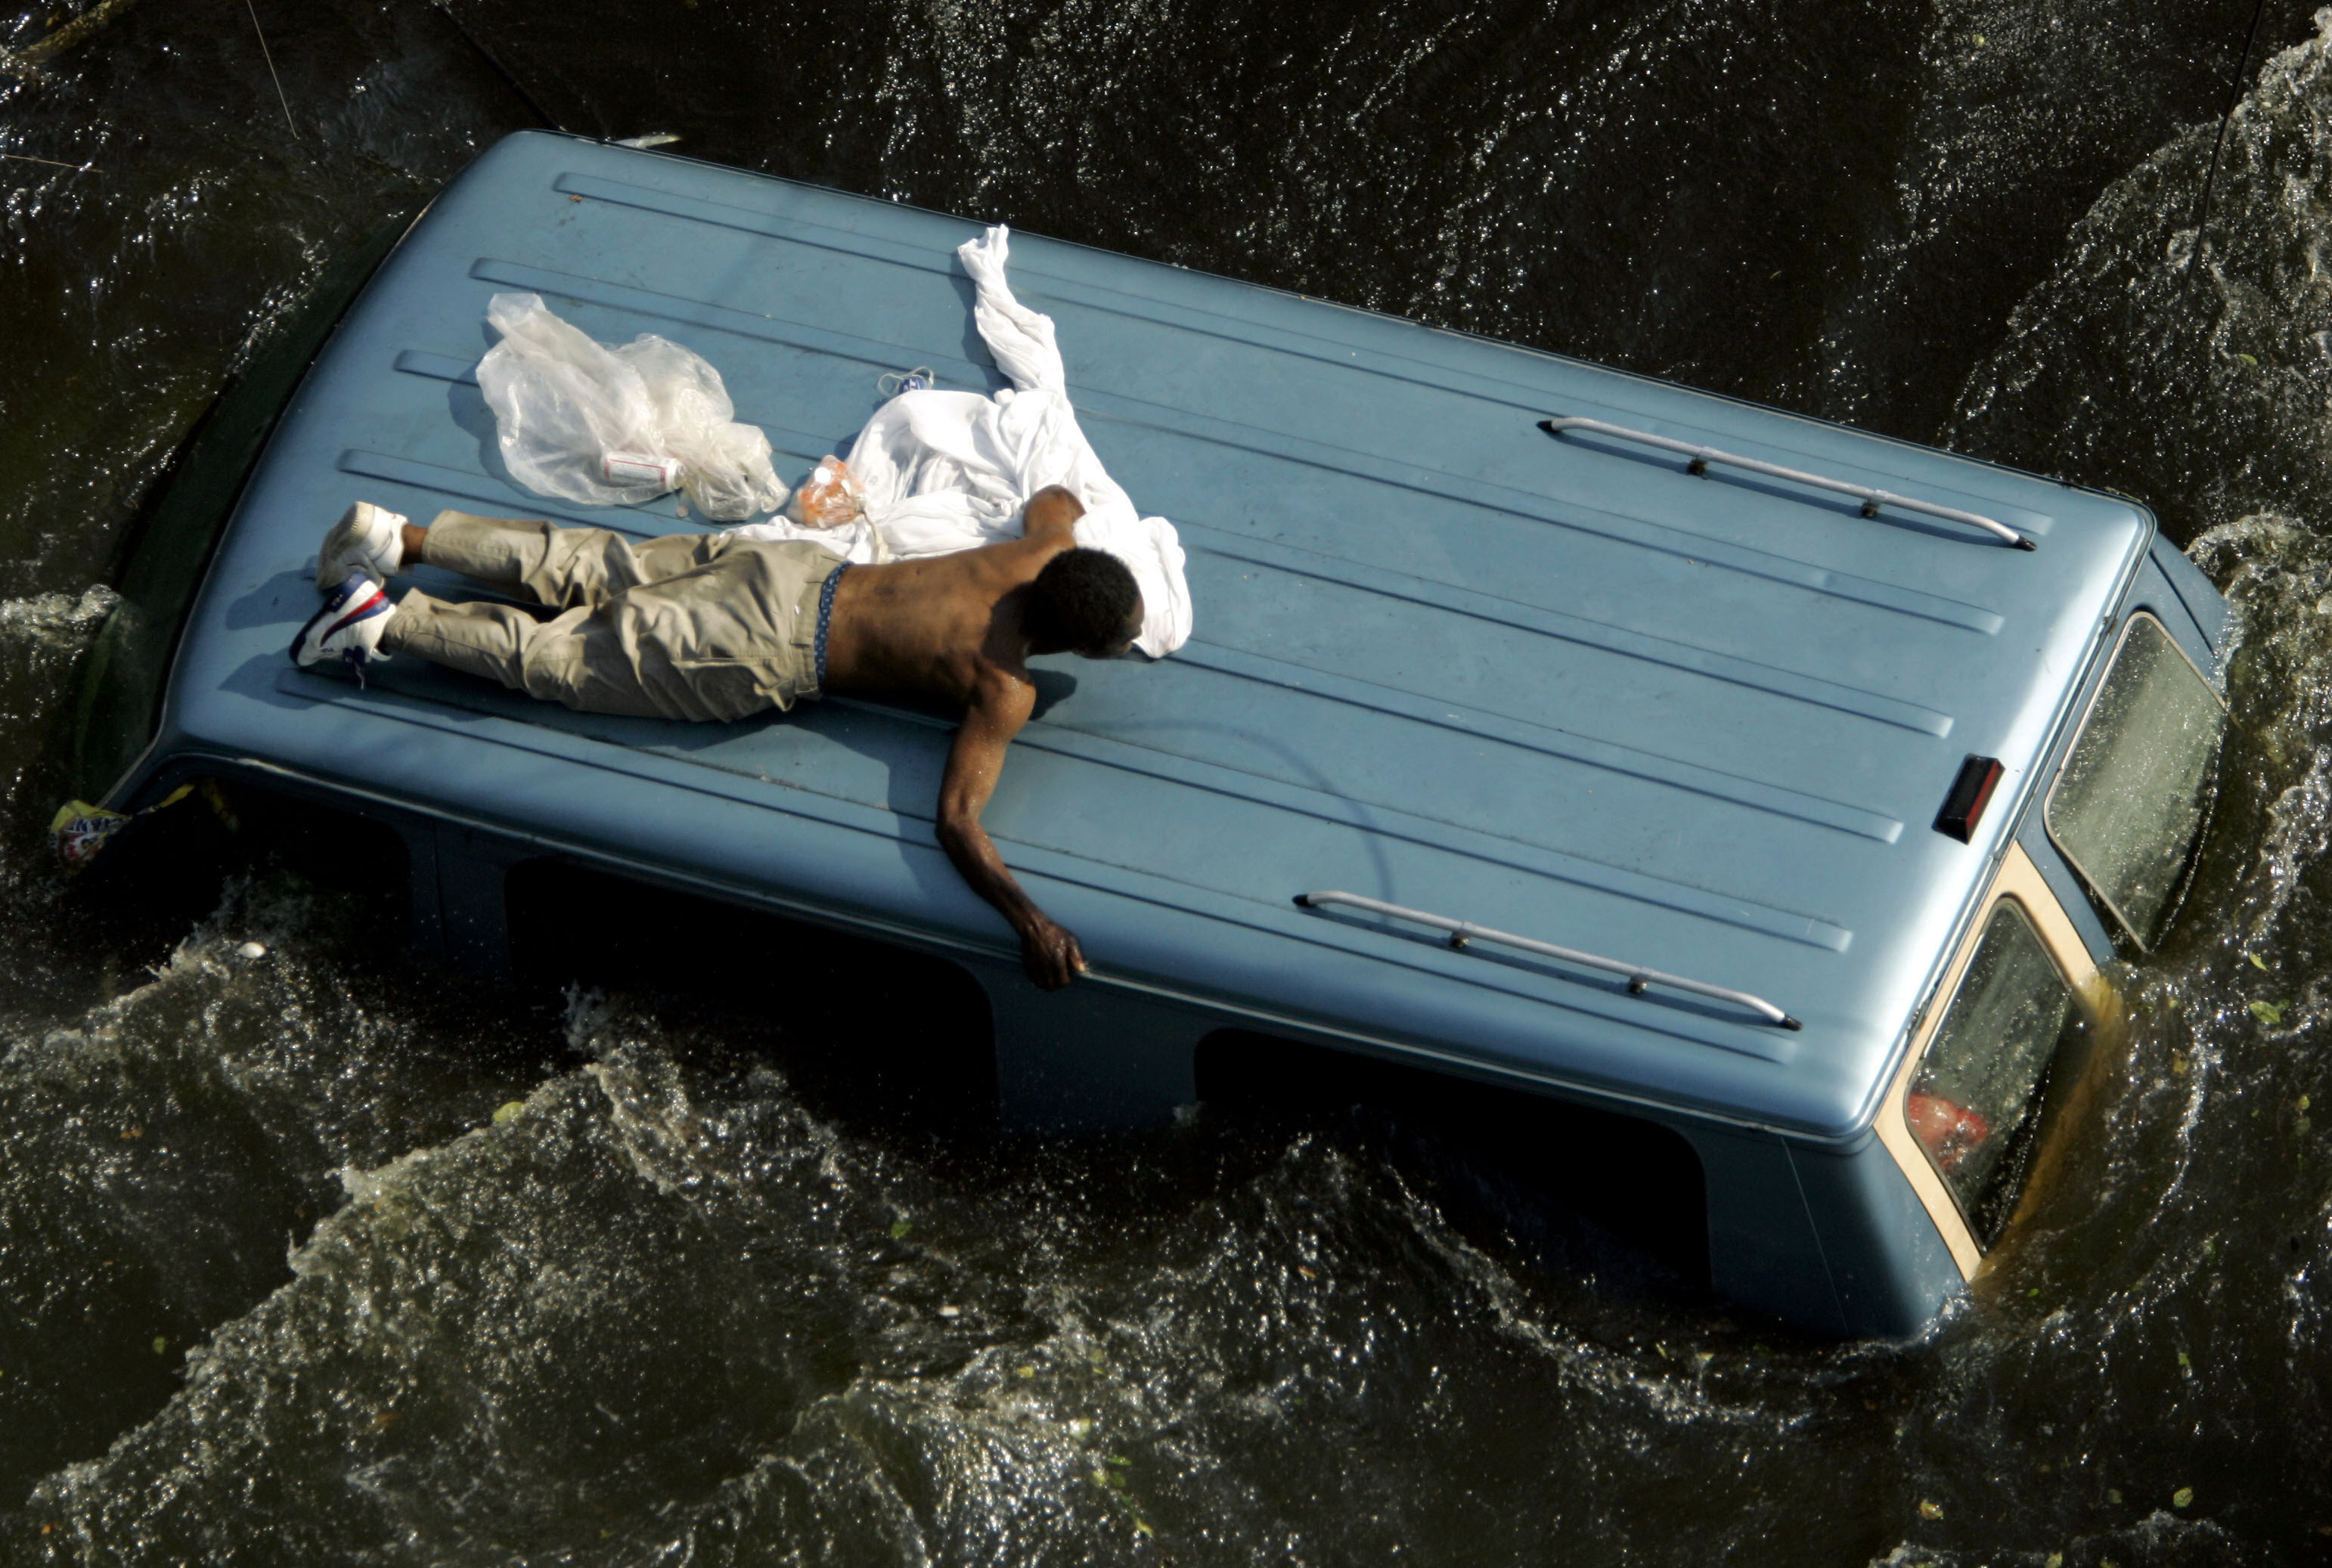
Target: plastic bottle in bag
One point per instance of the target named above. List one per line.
(640, 468)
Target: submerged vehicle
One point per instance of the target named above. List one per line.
(1769, 787)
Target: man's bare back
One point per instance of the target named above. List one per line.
(940, 627)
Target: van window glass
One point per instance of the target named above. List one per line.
(1975, 1105)
(2126, 806)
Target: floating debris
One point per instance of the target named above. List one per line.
(52, 163)
(269, 55)
(252, 949)
(32, 57)
(509, 1111)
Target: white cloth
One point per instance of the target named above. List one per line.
(951, 471)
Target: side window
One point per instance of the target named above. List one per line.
(2130, 799)
(1974, 1103)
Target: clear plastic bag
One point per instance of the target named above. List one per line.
(831, 497)
(618, 426)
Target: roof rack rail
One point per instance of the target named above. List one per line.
(1463, 932)
(1871, 499)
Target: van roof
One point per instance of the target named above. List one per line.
(1554, 685)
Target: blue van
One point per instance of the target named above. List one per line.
(1774, 785)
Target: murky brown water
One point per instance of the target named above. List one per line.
(275, 1285)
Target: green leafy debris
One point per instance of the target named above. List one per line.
(2268, 1012)
(2184, 1497)
(509, 1111)
(898, 1228)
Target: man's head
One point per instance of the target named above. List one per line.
(1084, 601)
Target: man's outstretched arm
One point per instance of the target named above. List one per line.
(998, 707)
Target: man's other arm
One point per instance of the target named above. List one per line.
(999, 706)
(1053, 510)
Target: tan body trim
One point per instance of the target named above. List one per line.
(2019, 882)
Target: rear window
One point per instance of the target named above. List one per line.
(1975, 1105)
(2126, 806)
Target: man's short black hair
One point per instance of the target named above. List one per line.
(1084, 601)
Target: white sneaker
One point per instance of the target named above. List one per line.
(369, 538)
(347, 627)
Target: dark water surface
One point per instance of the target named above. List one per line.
(277, 1286)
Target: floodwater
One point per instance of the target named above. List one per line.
(279, 1285)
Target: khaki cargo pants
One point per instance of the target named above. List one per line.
(687, 626)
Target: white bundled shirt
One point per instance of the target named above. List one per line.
(951, 471)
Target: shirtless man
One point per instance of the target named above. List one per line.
(708, 627)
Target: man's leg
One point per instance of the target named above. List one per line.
(576, 659)
(562, 568)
